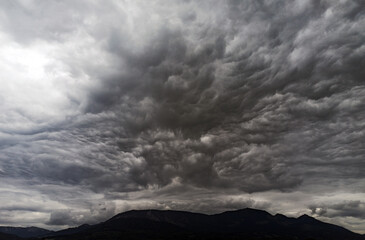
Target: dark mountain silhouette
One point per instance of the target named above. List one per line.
(26, 232)
(70, 231)
(241, 224)
(5, 236)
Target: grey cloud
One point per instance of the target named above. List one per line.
(55, 21)
(252, 84)
(62, 218)
(258, 96)
(212, 206)
(354, 209)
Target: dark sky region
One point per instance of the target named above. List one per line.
(202, 106)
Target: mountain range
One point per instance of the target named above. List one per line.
(25, 232)
(165, 224)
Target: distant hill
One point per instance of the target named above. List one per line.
(70, 231)
(4, 236)
(241, 224)
(26, 232)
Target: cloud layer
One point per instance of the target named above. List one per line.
(183, 105)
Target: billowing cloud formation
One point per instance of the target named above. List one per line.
(155, 104)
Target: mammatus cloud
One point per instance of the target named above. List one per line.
(121, 105)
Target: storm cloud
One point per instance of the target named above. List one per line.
(203, 106)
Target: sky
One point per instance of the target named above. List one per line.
(203, 106)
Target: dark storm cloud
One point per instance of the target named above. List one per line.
(243, 97)
(218, 104)
(61, 218)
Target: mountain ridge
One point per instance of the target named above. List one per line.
(245, 223)
(25, 232)
(5, 236)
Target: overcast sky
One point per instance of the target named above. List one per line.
(203, 106)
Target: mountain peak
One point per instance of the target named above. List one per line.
(246, 222)
(25, 232)
(306, 217)
(246, 212)
(243, 223)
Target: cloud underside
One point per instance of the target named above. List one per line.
(151, 104)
